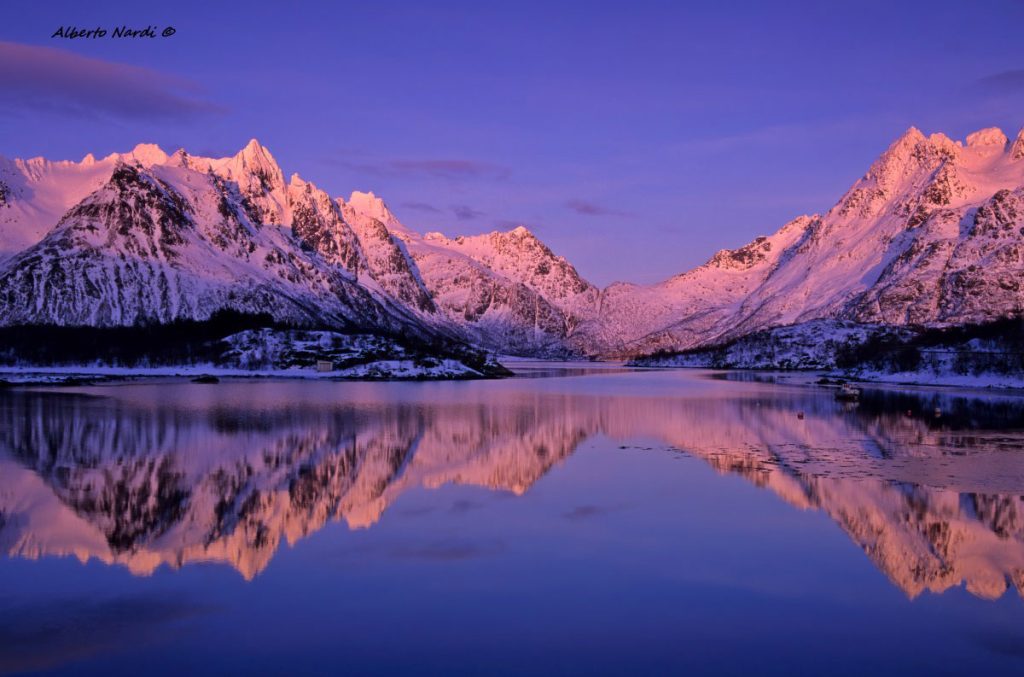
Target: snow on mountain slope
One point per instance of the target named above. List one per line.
(519, 255)
(808, 345)
(386, 256)
(932, 234)
(909, 242)
(259, 180)
(250, 241)
(505, 291)
(317, 221)
(167, 243)
(494, 311)
(690, 307)
(35, 193)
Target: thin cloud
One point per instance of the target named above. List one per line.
(422, 207)
(451, 169)
(591, 209)
(463, 505)
(58, 633)
(448, 551)
(1011, 80)
(46, 79)
(211, 152)
(771, 136)
(586, 512)
(465, 213)
(448, 169)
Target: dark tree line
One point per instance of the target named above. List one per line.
(1004, 352)
(193, 342)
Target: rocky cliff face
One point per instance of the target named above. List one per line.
(387, 259)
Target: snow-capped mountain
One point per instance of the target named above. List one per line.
(35, 193)
(172, 241)
(931, 234)
(506, 290)
(150, 237)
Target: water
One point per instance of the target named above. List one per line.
(589, 521)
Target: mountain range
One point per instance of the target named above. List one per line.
(932, 234)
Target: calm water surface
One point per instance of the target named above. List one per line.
(592, 521)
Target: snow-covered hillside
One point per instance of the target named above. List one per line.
(932, 234)
(810, 345)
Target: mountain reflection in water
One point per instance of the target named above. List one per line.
(144, 476)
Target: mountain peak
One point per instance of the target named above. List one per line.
(372, 206)
(254, 146)
(911, 137)
(914, 132)
(255, 154)
(990, 137)
(943, 142)
(148, 154)
(903, 147)
(256, 161)
(1017, 149)
(896, 162)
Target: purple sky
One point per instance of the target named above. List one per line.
(634, 138)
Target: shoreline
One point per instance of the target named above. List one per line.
(405, 371)
(806, 377)
(400, 370)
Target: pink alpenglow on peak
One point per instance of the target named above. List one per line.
(372, 206)
(148, 154)
(990, 137)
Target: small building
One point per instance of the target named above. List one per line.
(324, 365)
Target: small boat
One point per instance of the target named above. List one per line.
(848, 393)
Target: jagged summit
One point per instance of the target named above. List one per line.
(988, 137)
(147, 154)
(255, 159)
(257, 154)
(1016, 150)
(522, 231)
(368, 204)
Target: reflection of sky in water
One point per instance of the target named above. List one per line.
(618, 554)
